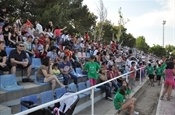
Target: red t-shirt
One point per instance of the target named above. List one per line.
(42, 41)
(132, 75)
(57, 32)
(110, 74)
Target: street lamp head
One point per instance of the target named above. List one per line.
(164, 22)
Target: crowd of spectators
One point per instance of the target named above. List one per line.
(61, 52)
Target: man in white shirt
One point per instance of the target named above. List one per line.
(39, 28)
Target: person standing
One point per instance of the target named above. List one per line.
(92, 68)
(150, 72)
(169, 80)
(159, 73)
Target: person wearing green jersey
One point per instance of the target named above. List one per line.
(163, 66)
(120, 104)
(159, 73)
(150, 72)
(92, 68)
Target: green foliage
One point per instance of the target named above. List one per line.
(70, 13)
(170, 48)
(110, 33)
(158, 50)
(141, 44)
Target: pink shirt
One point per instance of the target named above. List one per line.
(169, 74)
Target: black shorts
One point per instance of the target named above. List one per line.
(159, 77)
(5, 68)
(151, 76)
(19, 66)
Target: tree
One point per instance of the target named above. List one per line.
(141, 44)
(170, 48)
(102, 13)
(158, 50)
(70, 13)
(121, 23)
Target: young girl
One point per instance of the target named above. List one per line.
(56, 71)
(92, 68)
(132, 75)
(169, 80)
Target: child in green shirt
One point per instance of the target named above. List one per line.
(120, 104)
(159, 73)
(150, 72)
(92, 68)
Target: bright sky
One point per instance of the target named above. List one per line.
(146, 17)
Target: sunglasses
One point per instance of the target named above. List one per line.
(21, 45)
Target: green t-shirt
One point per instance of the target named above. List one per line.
(127, 92)
(150, 70)
(92, 68)
(159, 71)
(164, 66)
(118, 100)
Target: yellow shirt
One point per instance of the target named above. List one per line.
(56, 71)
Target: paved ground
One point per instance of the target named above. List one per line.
(166, 107)
(147, 101)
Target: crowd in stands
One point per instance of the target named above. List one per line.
(61, 53)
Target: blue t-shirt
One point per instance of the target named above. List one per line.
(65, 66)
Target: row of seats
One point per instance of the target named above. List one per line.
(44, 98)
(9, 83)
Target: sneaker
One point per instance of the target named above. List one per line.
(136, 113)
(30, 80)
(110, 98)
(161, 98)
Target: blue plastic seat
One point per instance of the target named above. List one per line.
(36, 63)
(73, 88)
(46, 96)
(8, 50)
(79, 72)
(32, 98)
(8, 83)
(82, 86)
(60, 91)
(89, 85)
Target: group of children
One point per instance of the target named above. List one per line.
(157, 71)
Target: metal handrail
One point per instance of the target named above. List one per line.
(76, 93)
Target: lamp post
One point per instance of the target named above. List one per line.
(164, 22)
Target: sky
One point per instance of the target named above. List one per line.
(145, 18)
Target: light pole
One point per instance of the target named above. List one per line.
(164, 22)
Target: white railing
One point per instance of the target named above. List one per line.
(76, 93)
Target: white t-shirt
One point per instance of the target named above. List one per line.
(39, 28)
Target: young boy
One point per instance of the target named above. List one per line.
(159, 73)
(150, 72)
(132, 75)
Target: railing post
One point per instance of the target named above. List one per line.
(92, 101)
(140, 76)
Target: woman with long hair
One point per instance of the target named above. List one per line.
(169, 80)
